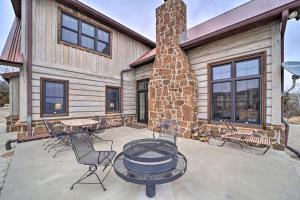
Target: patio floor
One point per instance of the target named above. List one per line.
(213, 173)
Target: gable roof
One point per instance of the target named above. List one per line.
(237, 20)
(243, 17)
(11, 53)
(94, 14)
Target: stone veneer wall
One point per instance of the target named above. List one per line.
(38, 127)
(173, 84)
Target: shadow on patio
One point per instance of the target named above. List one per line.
(212, 173)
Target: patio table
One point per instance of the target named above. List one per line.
(150, 162)
(75, 123)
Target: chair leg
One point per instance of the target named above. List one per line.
(92, 170)
(65, 148)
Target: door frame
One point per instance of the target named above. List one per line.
(138, 101)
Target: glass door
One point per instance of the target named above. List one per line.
(142, 101)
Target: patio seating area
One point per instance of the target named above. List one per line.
(212, 173)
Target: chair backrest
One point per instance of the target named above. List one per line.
(169, 129)
(82, 143)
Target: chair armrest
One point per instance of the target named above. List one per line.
(112, 142)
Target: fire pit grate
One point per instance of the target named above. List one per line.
(150, 162)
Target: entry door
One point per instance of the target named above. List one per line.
(142, 101)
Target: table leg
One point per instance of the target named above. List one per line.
(150, 190)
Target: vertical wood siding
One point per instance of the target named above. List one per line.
(87, 72)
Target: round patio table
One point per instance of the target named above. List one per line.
(150, 162)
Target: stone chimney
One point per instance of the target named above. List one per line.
(173, 84)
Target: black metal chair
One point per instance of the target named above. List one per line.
(167, 130)
(60, 140)
(82, 143)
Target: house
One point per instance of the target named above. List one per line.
(76, 62)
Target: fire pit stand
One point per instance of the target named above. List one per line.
(150, 162)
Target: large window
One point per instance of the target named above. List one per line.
(54, 97)
(77, 32)
(236, 91)
(112, 99)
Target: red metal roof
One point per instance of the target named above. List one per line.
(10, 75)
(11, 54)
(240, 18)
(148, 56)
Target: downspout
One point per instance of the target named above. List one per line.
(284, 19)
(121, 93)
(29, 65)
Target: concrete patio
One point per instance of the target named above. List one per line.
(213, 173)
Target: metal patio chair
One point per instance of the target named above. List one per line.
(60, 140)
(82, 143)
(247, 137)
(167, 130)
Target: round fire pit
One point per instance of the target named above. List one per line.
(150, 162)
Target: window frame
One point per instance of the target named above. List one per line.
(106, 100)
(82, 19)
(42, 97)
(233, 81)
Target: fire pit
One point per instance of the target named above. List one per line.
(150, 162)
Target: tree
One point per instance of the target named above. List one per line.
(4, 86)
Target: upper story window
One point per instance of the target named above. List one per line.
(77, 32)
(236, 91)
(54, 97)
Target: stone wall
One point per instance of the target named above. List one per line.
(38, 127)
(173, 84)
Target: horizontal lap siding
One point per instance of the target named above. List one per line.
(86, 92)
(88, 73)
(257, 40)
(129, 91)
(143, 72)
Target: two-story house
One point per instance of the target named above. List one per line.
(76, 62)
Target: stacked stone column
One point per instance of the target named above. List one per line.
(173, 84)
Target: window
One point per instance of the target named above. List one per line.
(112, 99)
(236, 91)
(54, 97)
(69, 29)
(77, 32)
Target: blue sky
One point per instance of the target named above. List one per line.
(139, 15)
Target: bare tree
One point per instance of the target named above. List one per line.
(4, 87)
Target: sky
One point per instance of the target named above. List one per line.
(139, 15)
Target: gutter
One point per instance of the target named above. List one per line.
(28, 64)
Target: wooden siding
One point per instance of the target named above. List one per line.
(14, 96)
(86, 92)
(87, 72)
(129, 93)
(143, 72)
(265, 38)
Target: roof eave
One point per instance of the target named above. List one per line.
(248, 24)
(90, 12)
(143, 62)
(11, 63)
